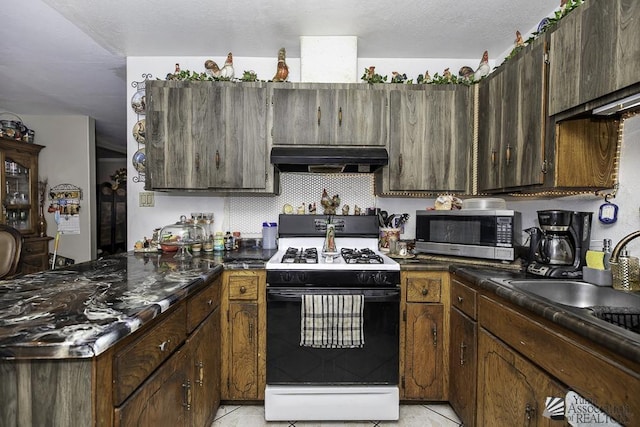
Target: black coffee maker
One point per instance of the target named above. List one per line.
(559, 247)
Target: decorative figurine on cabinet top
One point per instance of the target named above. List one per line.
(227, 72)
(282, 72)
(211, 68)
(483, 68)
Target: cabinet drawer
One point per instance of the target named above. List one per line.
(135, 362)
(201, 305)
(243, 287)
(38, 247)
(424, 288)
(464, 299)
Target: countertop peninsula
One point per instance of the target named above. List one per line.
(82, 310)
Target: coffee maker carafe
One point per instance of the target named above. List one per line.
(558, 248)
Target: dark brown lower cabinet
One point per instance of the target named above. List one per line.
(463, 366)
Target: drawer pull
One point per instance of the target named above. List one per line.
(210, 302)
(425, 291)
(243, 290)
(163, 345)
(200, 380)
(460, 299)
(187, 395)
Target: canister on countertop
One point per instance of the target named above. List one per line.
(218, 242)
(269, 232)
(228, 241)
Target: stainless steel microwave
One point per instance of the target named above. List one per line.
(482, 233)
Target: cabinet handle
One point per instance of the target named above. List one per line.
(187, 395)
(163, 345)
(544, 167)
(434, 332)
(400, 163)
(493, 157)
(197, 161)
(340, 117)
(251, 333)
(200, 380)
(463, 346)
(425, 291)
(217, 159)
(508, 154)
(243, 290)
(319, 116)
(460, 299)
(529, 411)
(210, 302)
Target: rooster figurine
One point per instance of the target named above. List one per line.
(519, 42)
(212, 69)
(282, 71)
(483, 68)
(330, 204)
(226, 72)
(466, 72)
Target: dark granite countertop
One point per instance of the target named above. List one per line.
(82, 310)
(615, 338)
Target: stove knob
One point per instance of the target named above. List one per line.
(285, 276)
(363, 277)
(302, 277)
(380, 278)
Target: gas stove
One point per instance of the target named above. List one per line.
(356, 262)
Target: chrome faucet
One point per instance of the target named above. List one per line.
(622, 243)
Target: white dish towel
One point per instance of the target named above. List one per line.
(332, 321)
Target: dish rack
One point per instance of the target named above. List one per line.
(625, 317)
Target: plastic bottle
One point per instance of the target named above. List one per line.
(269, 231)
(606, 248)
(228, 241)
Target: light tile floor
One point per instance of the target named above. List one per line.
(434, 415)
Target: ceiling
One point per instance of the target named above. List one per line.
(60, 57)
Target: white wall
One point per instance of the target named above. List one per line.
(69, 158)
(169, 207)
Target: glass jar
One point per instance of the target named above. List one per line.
(218, 242)
(180, 236)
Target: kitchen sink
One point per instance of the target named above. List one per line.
(613, 306)
(577, 294)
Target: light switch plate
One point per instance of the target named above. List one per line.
(146, 199)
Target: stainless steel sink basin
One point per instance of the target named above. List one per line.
(575, 293)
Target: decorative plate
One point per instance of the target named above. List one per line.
(139, 160)
(139, 130)
(138, 101)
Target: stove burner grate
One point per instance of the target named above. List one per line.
(360, 256)
(300, 256)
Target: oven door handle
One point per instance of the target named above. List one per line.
(370, 295)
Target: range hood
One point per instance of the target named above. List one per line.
(323, 159)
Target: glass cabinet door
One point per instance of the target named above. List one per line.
(17, 198)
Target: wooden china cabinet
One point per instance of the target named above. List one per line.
(19, 195)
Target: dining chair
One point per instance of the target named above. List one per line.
(10, 249)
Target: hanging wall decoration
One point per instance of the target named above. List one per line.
(65, 204)
(139, 106)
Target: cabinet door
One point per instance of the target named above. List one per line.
(430, 139)
(360, 117)
(585, 45)
(302, 116)
(176, 148)
(463, 366)
(512, 122)
(424, 371)
(164, 399)
(511, 391)
(242, 356)
(236, 137)
(204, 346)
(329, 116)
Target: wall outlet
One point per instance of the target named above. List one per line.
(146, 199)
